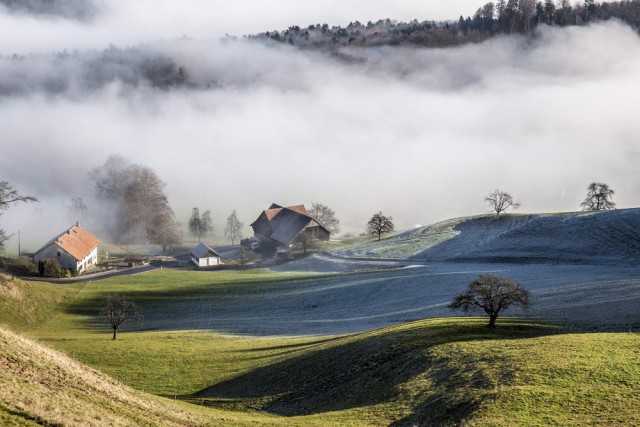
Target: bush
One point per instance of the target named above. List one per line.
(23, 266)
(52, 268)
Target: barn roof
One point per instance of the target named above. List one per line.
(300, 209)
(275, 209)
(76, 241)
(204, 251)
(287, 224)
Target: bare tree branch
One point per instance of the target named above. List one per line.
(500, 201)
(493, 294)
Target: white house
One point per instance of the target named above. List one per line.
(75, 249)
(203, 256)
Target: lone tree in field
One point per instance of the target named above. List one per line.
(500, 201)
(325, 216)
(233, 229)
(379, 224)
(598, 198)
(492, 294)
(10, 196)
(118, 309)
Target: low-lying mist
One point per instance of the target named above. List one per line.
(420, 134)
(42, 26)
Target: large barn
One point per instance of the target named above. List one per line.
(285, 226)
(75, 249)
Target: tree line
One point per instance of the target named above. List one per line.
(494, 18)
(140, 210)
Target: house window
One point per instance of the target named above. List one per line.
(58, 253)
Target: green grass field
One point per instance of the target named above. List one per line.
(433, 372)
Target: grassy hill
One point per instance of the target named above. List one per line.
(430, 372)
(42, 386)
(611, 237)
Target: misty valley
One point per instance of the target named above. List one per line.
(319, 214)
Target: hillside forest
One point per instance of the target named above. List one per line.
(494, 18)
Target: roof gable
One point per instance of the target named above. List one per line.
(299, 208)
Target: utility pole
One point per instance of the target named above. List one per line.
(19, 251)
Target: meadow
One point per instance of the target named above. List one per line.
(435, 371)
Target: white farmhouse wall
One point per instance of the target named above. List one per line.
(205, 262)
(65, 259)
(55, 252)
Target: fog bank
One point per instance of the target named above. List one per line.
(422, 135)
(68, 25)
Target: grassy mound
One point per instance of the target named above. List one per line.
(452, 372)
(42, 386)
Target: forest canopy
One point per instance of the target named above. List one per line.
(494, 18)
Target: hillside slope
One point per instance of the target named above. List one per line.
(611, 237)
(452, 372)
(585, 238)
(42, 386)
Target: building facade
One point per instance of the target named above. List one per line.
(75, 249)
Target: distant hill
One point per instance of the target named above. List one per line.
(611, 237)
(513, 17)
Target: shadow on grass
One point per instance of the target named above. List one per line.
(276, 306)
(378, 368)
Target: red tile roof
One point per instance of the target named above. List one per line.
(299, 208)
(77, 241)
(270, 213)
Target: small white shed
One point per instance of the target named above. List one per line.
(203, 256)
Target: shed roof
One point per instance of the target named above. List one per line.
(76, 241)
(204, 251)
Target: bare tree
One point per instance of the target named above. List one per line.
(325, 216)
(500, 201)
(77, 210)
(598, 198)
(492, 294)
(9, 196)
(244, 257)
(233, 229)
(117, 309)
(379, 224)
(164, 230)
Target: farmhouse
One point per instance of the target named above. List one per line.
(203, 256)
(285, 226)
(75, 249)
